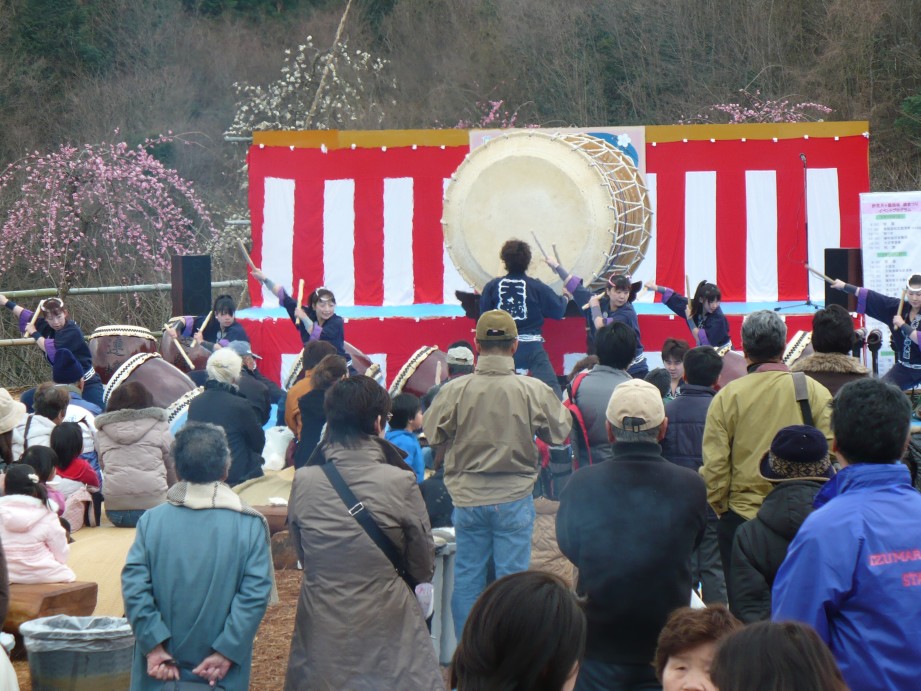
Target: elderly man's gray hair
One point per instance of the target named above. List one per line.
(224, 365)
(764, 336)
(201, 453)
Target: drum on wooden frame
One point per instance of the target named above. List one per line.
(165, 382)
(111, 346)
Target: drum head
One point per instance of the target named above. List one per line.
(575, 191)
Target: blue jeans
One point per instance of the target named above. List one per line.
(125, 519)
(501, 531)
(531, 356)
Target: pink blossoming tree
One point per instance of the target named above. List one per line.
(752, 107)
(97, 214)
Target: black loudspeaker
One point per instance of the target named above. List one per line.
(844, 263)
(191, 278)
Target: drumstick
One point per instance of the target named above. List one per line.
(819, 274)
(539, 246)
(300, 293)
(35, 313)
(185, 356)
(556, 254)
(246, 255)
(687, 286)
(901, 302)
(588, 304)
(204, 324)
(437, 373)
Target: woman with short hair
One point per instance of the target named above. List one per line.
(199, 575)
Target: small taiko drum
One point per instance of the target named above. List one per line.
(427, 367)
(165, 383)
(178, 411)
(111, 346)
(577, 191)
(171, 349)
(360, 362)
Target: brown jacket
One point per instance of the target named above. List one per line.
(358, 625)
(831, 370)
(134, 453)
(292, 412)
(545, 551)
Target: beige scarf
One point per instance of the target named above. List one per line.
(217, 495)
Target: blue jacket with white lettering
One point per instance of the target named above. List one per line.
(853, 572)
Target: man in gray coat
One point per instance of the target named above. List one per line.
(615, 346)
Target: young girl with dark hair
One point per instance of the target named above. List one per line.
(54, 330)
(73, 471)
(705, 318)
(617, 305)
(44, 460)
(220, 330)
(316, 320)
(33, 539)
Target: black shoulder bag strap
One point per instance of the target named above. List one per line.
(25, 435)
(358, 511)
(802, 396)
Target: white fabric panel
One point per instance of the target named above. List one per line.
(761, 235)
(398, 241)
(277, 235)
(646, 271)
(339, 239)
(824, 216)
(452, 278)
(699, 228)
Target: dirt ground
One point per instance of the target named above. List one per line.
(270, 649)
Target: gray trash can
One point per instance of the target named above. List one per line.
(79, 653)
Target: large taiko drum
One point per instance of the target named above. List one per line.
(178, 411)
(577, 191)
(165, 383)
(111, 346)
(426, 367)
(360, 362)
(170, 350)
(735, 365)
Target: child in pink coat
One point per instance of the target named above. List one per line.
(33, 539)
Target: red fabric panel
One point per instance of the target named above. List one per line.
(792, 248)
(307, 253)
(256, 207)
(669, 214)
(369, 241)
(428, 240)
(731, 240)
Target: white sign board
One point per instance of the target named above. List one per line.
(890, 239)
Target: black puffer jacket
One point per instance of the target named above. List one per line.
(223, 405)
(760, 547)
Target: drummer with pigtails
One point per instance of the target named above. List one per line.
(52, 329)
(316, 320)
(704, 316)
(903, 316)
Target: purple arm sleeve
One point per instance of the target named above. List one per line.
(24, 318)
(701, 334)
(188, 323)
(317, 330)
(667, 294)
(573, 283)
(50, 349)
(862, 300)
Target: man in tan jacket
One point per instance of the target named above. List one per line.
(742, 421)
(490, 419)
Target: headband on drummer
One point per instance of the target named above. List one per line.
(52, 306)
(622, 282)
(914, 283)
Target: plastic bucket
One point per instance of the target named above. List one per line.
(79, 653)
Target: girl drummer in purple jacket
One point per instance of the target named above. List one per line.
(705, 318)
(315, 321)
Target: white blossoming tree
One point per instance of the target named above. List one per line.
(339, 88)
